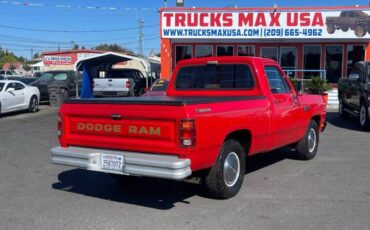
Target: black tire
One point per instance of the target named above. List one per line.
(220, 183)
(341, 112)
(330, 29)
(306, 149)
(360, 31)
(33, 105)
(363, 117)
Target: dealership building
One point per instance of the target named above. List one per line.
(306, 42)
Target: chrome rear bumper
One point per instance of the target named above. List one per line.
(140, 164)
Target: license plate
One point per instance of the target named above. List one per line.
(112, 162)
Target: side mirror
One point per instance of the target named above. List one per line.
(10, 89)
(354, 77)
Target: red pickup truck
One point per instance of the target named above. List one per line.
(216, 112)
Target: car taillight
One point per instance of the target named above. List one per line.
(60, 123)
(187, 133)
(128, 84)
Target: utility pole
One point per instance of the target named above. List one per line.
(140, 37)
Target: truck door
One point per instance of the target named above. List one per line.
(287, 118)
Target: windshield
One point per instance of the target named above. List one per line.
(1, 86)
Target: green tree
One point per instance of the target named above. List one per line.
(113, 47)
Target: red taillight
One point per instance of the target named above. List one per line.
(187, 133)
(128, 84)
(60, 123)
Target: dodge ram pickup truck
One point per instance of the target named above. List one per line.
(216, 112)
(354, 94)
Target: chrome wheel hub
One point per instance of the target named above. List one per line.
(231, 169)
(311, 140)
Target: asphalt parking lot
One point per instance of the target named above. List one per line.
(330, 192)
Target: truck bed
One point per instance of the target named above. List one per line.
(161, 100)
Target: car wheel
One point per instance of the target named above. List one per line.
(225, 178)
(330, 29)
(364, 117)
(34, 105)
(359, 31)
(308, 145)
(342, 113)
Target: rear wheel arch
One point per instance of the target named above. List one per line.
(317, 119)
(243, 136)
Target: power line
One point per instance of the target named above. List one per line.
(64, 6)
(73, 31)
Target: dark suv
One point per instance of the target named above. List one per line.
(66, 80)
(354, 94)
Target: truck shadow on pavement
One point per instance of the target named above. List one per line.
(149, 192)
(350, 123)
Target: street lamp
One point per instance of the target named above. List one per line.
(179, 3)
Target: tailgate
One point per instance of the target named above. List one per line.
(110, 85)
(142, 128)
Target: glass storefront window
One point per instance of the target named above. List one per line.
(355, 53)
(311, 60)
(225, 50)
(288, 57)
(246, 51)
(333, 63)
(270, 52)
(203, 51)
(183, 52)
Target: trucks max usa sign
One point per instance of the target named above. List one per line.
(265, 25)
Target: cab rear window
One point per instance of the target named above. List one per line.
(223, 77)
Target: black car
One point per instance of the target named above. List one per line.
(2, 77)
(354, 94)
(25, 80)
(65, 80)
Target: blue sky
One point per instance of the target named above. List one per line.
(53, 15)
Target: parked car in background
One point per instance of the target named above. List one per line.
(2, 77)
(158, 88)
(64, 79)
(120, 82)
(25, 80)
(7, 73)
(354, 94)
(15, 96)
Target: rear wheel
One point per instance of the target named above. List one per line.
(33, 105)
(364, 117)
(308, 145)
(360, 31)
(225, 178)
